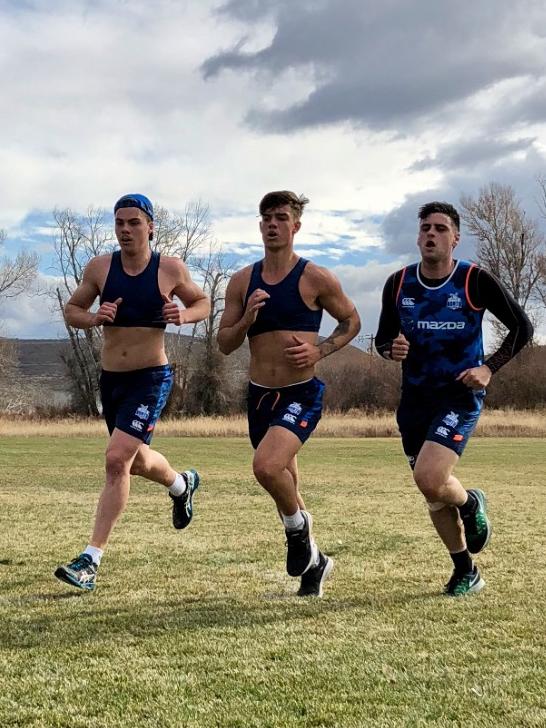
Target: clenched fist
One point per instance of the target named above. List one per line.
(106, 313)
(172, 313)
(399, 348)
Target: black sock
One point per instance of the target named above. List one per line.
(470, 507)
(462, 562)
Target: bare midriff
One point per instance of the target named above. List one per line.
(268, 364)
(125, 349)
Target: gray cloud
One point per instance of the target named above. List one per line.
(384, 65)
(399, 226)
(477, 151)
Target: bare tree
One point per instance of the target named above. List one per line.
(509, 243)
(210, 391)
(78, 239)
(16, 274)
(181, 235)
(541, 180)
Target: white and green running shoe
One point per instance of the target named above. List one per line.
(462, 584)
(477, 527)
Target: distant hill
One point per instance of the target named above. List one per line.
(38, 374)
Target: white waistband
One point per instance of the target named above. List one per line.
(295, 384)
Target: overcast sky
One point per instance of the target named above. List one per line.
(368, 108)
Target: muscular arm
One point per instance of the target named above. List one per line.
(389, 319)
(344, 332)
(485, 291)
(76, 311)
(195, 300)
(330, 296)
(340, 307)
(236, 319)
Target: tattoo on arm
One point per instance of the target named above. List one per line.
(332, 343)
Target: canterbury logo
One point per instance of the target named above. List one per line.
(441, 325)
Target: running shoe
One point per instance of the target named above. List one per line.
(312, 581)
(477, 527)
(302, 551)
(462, 584)
(81, 572)
(183, 504)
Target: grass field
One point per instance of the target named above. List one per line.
(201, 629)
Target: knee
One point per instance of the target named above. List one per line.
(265, 470)
(430, 482)
(116, 463)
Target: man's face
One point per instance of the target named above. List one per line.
(278, 227)
(133, 228)
(437, 238)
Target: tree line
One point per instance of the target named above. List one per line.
(509, 243)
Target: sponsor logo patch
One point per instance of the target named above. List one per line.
(295, 408)
(454, 302)
(290, 418)
(451, 420)
(408, 302)
(137, 425)
(142, 412)
(438, 325)
(304, 424)
(458, 438)
(442, 431)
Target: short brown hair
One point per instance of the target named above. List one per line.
(444, 208)
(281, 198)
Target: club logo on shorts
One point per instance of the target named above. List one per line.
(442, 431)
(454, 302)
(295, 408)
(290, 418)
(451, 420)
(137, 425)
(142, 412)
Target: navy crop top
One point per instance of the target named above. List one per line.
(285, 310)
(142, 303)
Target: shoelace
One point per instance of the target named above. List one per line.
(81, 562)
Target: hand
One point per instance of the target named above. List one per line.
(476, 377)
(255, 302)
(302, 354)
(106, 313)
(172, 313)
(399, 348)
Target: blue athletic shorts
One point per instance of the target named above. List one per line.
(447, 415)
(132, 401)
(297, 407)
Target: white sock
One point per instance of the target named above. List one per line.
(294, 522)
(94, 553)
(179, 485)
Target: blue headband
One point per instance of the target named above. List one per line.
(140, 201)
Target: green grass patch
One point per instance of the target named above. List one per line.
(201, 628)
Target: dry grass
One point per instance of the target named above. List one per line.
(493, 423)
